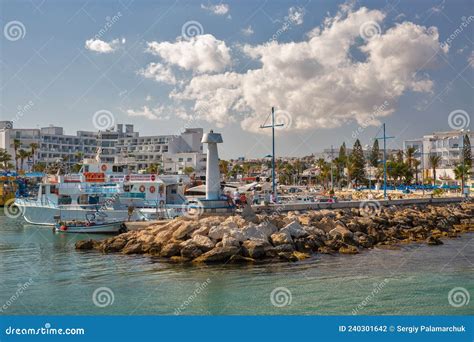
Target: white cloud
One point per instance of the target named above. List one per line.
(148, 98)
(295, 15)
(317, 81)
(202, 53)
(248, 31)
(101, 46)
(158, 72)
(219, 9)
(158, 113)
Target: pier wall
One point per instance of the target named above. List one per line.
(353, 204)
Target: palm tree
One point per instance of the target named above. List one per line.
(34, 147)
(22, 155)
(435, 161)
(416, 163)
(462, 172)
(5, 159)
(16, 146)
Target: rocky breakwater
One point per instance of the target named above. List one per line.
(292, 236)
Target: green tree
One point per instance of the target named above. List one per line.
(34, 147)
(188, 170)
(374, 158)
(16, 146)
(462, 172)
(435, 162)
(5, 159)
(357, 163)
(467, 155)
(22, 155)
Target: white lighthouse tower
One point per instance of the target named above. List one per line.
(213, 179)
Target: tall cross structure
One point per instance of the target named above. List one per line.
(384, 138)
(272, 126)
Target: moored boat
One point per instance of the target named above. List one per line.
(90, 227)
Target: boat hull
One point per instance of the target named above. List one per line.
(44, 215)
(107, 228)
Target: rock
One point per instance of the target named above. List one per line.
(178, 259)
(433, 241)
(254, 249)
(228, 240)
(248, 214)
(218, 254)
(114, 246)
(341, 232)
(239, 259)
(190, 251)
(85, 244)
(185, 229)
(133, 247)
(294, 229)
(203, 231)
(173, 248)
(326, 250)
(218, 232)
(203, 242)
(254, 232)
(348, 250)
(293, 256)
(281, 238)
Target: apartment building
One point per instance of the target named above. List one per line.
(178, 151)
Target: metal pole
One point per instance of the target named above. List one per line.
(273, 154)
(332, 177)
(384, 164)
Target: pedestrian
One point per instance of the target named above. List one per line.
(236, 197)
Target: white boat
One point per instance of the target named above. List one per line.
(112, 196)
(89, 227)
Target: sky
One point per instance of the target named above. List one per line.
(333, 71)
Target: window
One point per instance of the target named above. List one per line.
(189, 159)
(180, 159)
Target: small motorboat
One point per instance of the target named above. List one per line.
(90, 227)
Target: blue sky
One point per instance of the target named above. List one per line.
(68, 80)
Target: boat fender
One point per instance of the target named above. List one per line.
(142, 188)
(153, 177)
(152, 189)
(63, 228)
(103, 167)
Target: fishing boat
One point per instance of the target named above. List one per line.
(89, 226)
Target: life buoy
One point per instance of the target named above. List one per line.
(103, 167)
(142, 188)
(152, 189)
(152, 177)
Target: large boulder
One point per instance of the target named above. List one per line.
(203, 231)
(133, 247)
(229, 240)
(281, 238)
(254, 249)
(190, 251)
(248, 214)
(203, 242)
(116, 245)
(340, 232)
(294, 229)
(218, 254)
(86, 244)
(171, 249)
(348, 249)
(185, 229)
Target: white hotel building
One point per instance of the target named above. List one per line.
(173, 152)
(448, 145)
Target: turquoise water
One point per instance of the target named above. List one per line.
(413, 280)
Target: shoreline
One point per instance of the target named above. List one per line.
(292, 236)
